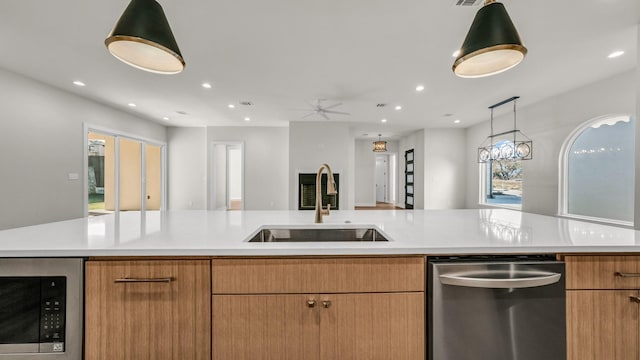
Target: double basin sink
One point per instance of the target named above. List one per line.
(268, 234)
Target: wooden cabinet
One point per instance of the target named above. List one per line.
(319, 308)
(148, 310)
(603, 308)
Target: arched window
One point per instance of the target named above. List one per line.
(597, 171)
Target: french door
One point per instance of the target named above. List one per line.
(124, 173)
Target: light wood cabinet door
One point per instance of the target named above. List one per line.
(602, 325)
(383, 326)
(144, 319)
(265, 327)
(603, 272)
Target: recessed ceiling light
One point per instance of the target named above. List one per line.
(457, 121)
(247, 119)
(398, 107)
(79, 83)
(420, 88)
(231, 106)
(384, 120)
(616, 54)
(456, 53)
(206, 85)
(166, 118)
(131, 105)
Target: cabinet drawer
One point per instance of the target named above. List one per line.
(318, 275)
(603, 272)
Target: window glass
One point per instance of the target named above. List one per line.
(502, 178)
(600, 170)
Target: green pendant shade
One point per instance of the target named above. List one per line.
(492, 44)
(143, 39)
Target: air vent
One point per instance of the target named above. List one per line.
(381, 105)
(246, 103)
(468, 2)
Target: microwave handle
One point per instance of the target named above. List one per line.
(541, 279)
(144, 280)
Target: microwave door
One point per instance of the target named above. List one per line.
(19, 314)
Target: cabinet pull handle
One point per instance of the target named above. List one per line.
(311, 303)
(621, 274)
(634, 299)
(326, 304)
(144, 280)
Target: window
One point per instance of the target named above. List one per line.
(502, 180)
(598, 167)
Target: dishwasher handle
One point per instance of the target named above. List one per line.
(509, 280)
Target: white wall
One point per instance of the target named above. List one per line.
(365, 167)
(445, 173)
(637, 175)
(548, 123)
(266, 165)
(42, 142)
(312, 144)
(187, 164)
(412, 141)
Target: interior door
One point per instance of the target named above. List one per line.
(381, 179)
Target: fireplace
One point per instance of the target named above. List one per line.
(307, 191)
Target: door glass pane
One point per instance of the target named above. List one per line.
(130, 174)
(153, 199)
(101, 173)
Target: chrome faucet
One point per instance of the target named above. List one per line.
(331, 190)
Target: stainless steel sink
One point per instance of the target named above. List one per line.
(318, 235)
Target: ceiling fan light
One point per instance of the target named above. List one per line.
(143, 39)
(492, 44)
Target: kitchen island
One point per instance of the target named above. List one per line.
(225, 233)
(189, 285)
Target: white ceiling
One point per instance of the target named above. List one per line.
(281, 54)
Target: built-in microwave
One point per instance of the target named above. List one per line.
(41, 308)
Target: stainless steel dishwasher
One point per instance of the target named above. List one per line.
(496, 308)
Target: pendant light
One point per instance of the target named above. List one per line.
(492, 44)
(508, 145)
(379, 146)
(143, 39)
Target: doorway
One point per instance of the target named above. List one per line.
(227, 174)
(123, 173)
(385, 179)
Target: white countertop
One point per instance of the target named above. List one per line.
(223, 233)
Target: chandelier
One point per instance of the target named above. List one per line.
(379, 146)
(508, 145)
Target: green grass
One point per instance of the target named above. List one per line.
(96, 201)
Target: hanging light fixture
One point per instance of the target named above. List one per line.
(508, 145)
(379, 146)
(492, 44)
(143, 39)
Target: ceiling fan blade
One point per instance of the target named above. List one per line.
(332, 106)
(337, 112)
(324, 115)
(309, 114)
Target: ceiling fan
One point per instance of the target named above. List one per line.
(318, 108)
